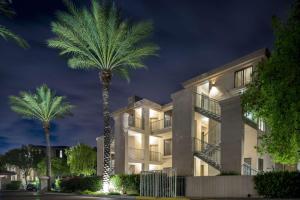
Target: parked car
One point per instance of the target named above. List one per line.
(31, 187)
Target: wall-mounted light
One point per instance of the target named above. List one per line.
(213, 90)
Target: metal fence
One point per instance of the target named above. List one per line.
(208, 104)
(158, 183)
(136, 154)
(161, 124)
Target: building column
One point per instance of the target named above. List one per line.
(147, 132)
(232, 134)
(183, 132)
(121, 144)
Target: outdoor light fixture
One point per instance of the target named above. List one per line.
(213, 90)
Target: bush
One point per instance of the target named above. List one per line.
(114, 193)
(126, 183)
(77, 184)
(278, 184)
(13, 185)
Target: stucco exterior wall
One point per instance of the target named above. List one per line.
(120, 144)
(182, 127)
(220, 186)
(232, 133)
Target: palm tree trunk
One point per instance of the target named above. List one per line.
(47, 134)
(105, 77)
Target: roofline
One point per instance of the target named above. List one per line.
(264, 52)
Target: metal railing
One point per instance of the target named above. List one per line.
(136, 154)
(161, 124)
(248, 170)
(210, 153)
(135, 122)
(158, 183)
(208, 104)
(155, 156)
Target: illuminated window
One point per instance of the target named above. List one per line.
(243, 77)
(168, 147)
(60, 154)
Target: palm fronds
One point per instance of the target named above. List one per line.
(98, 38)
(5, 33)
(43, 105)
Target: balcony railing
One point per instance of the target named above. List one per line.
(161, 124)
(135, 122)
(207, 104)
(155, 156)
(248, 170)
(210, 153)
(136, 154)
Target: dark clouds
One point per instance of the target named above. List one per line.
(194, 36)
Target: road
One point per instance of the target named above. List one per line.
(34, 196)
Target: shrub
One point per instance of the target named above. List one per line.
(278, 184)
(76, 184)
(114, 193)
(13, 185)
(126, 183)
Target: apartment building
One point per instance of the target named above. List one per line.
(203, 131)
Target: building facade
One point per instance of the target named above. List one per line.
(203, 131)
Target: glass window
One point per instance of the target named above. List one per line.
(260, 164)
(168, 147)
(243, 77)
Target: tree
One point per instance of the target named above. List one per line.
(25, 158)
(59, 167)
(98, 38)
(2, 163)
(44, 106)
(274, 93)
(6, 33)
(82, 160)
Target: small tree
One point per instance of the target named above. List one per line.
(274, 94)
(59, 167)
(82, 160)
(25, 158)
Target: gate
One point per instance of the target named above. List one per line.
(158, 183)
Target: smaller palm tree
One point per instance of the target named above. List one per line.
(44, 106)
(6, 33)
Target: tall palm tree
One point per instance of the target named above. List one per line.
(6, 33)
(45, 106)
(98, 38)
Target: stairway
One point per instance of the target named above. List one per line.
(208, 107)
(209, 153)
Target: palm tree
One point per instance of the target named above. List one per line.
(6, 33)
(98, 38)
(44, 106)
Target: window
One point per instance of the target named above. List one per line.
(167, 147)
(243, 77)
(60, 153)
(260, 164)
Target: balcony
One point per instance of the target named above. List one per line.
(155, 156)
(136, 154)
(161, 124)
(208, 106)
(135, 122)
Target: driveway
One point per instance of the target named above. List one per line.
(34, 196)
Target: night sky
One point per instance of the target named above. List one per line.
(194, 36)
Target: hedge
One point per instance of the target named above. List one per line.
(278, 184)
(13, 185)
(77, 184)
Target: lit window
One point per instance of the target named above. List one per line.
(261, 125)
(168, 147)
(243, 77)
(60, 154)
